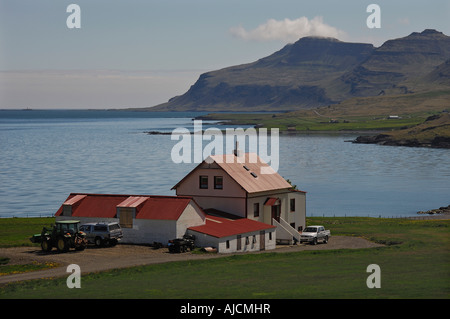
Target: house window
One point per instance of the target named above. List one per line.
(256, 210)
(228, 244)
(218, 182)
(270, 236)
(292, 204)
(239, 242)
(203, 182)
(247, 241)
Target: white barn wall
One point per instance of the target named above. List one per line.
(148, 231)
(203, 240)
(191, 216)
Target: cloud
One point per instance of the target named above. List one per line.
(287, 30)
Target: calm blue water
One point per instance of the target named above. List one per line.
(45, 155)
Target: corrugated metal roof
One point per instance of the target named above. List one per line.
(147, 207)
(223, 227)
(74, 199)
(256, 176)
(95, 205)
(133, 201)
(163, 208)
(249, 171)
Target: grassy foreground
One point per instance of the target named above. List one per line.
(415, 263)
(16, 232)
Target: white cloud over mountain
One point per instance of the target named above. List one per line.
(287, 30)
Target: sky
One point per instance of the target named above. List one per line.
(136, 53)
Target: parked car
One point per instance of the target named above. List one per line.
(312, 234)
(102, 234)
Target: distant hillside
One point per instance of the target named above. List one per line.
(315, 72)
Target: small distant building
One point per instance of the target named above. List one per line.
(394, 117)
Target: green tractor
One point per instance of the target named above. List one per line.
(63, 235)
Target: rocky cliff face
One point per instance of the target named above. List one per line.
(396, 66)
(319, 71)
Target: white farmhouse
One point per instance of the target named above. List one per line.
(231, 202)
(245, 186)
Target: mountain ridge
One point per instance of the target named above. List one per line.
(316, 71)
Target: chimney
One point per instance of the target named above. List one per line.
(237, 152)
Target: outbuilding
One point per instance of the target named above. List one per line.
(234, 235)
(144, 219)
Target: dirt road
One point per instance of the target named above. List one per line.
(121, 256)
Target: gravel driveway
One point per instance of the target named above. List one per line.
(120, 256)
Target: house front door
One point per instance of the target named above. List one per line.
(276, 212)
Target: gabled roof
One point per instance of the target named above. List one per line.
(249, 171)
(163, 208)
(93, 205)
(147, 207)
(223, 227)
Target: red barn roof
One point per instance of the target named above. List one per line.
(223, 227)
(166, 208)
(147, 207)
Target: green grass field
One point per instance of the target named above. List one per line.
(17, 231)
(415, 263)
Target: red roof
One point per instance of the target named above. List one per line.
(73, 200)
(270, 201)
(147, 207)
(223, 227)
(166, 208)
(93, 205)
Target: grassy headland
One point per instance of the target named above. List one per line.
(418, 119)
(357, 114)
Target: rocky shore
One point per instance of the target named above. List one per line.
(440, 210)
(384, 139)
(433, 132)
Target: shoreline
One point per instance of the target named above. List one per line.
(283, 132)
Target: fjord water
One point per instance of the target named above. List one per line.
(46, 155)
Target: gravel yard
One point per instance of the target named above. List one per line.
(99, 259)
